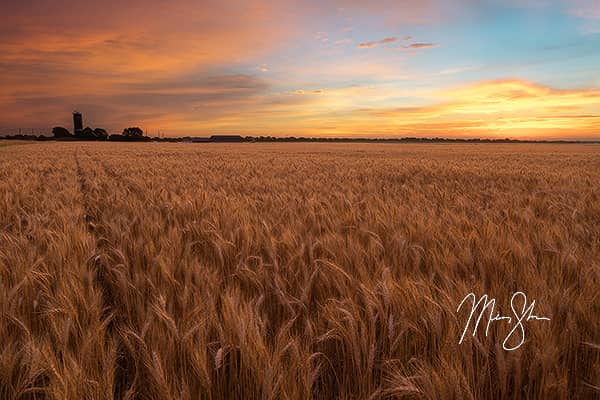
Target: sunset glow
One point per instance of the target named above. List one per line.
(345, 68)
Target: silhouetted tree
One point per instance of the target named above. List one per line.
(87, 133)
(60, 132)
(100, 133)
(133, 132)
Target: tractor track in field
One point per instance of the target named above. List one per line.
(102, 264)
(109, 170)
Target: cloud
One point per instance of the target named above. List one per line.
(304, 92)
(511, 107)
(389, 40)
(142, 51)
(420, 46)
(187, 65)
(146, 102)
(417, 46)
(382, 42)
(191, 84)
(153, 37)
(502, 108)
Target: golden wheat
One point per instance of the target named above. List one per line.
(163, 271)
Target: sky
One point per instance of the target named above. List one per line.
(341, 68)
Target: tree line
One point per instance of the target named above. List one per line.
(133, 133)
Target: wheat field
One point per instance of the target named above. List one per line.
(295, 271)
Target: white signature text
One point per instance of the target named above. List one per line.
(520, 316)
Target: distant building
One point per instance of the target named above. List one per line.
(77, 123)
(199, 140)
(226, 138)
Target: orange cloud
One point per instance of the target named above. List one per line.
(513, 108)
(60, 55)
(506, 108)
(382, 42)
(193, 67)
(137, 36)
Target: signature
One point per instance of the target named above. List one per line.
(520, 316)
